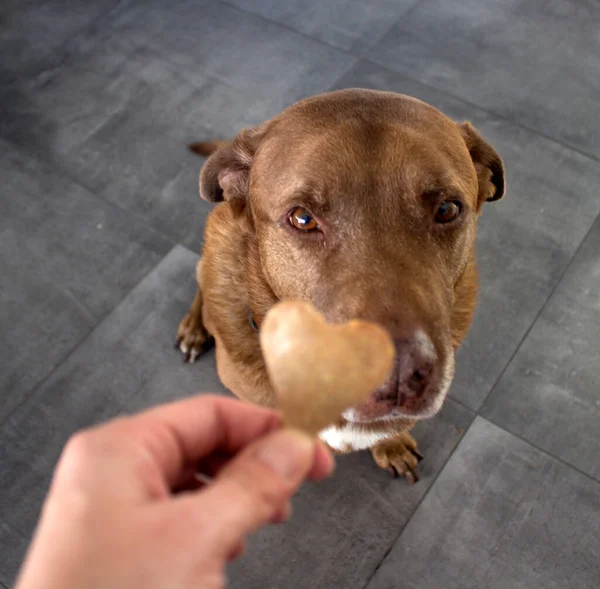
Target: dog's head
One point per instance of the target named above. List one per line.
(366, 204)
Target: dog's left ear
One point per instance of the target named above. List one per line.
(488, 164)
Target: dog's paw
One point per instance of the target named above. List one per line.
(399, 456)
(192, 339)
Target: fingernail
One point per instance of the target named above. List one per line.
(289, 454)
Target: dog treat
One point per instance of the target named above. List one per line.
(319, 369)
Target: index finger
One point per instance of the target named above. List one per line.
(181, 433)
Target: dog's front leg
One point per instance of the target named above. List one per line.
(399, 455)
(193, 338)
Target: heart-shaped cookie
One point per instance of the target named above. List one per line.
(319, 369)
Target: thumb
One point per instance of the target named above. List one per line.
(254, 487)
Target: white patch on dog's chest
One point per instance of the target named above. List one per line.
(350, 437)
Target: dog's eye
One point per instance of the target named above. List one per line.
(301, 219)
(448, 211)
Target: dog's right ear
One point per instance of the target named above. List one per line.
(488, 164)
(225, 174)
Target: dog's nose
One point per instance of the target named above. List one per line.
(415, 366)
(414, 369)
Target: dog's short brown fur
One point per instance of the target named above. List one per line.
(372, 169)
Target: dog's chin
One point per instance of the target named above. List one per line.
(403, 409)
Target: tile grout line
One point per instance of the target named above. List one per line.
(541, 450)
(7, 418)
(404, 15)
(101, 320)
(79, 304)
(291, 29)
(461, 404)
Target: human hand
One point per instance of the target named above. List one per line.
(125, 510)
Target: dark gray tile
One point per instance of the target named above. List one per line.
(66, 259)
(342, 528)
(14, 546)
(127, 363)
(536, 61)
(118, 112)
(353, 26)
(525, 241)
(501, 514)
(550, 393)
(31, 31)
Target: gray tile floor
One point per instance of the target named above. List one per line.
(100, 228)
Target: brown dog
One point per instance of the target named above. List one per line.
(366, 204)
